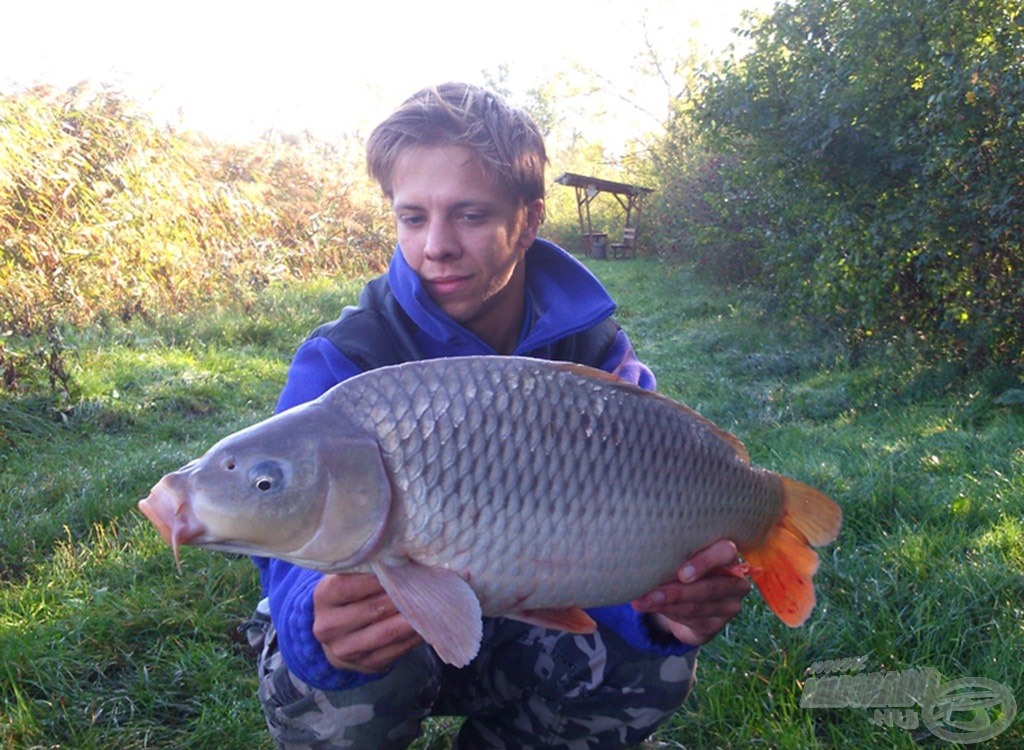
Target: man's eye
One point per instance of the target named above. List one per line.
(410, 220)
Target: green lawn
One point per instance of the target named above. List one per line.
(106, 645)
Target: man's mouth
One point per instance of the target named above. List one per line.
(447, 285)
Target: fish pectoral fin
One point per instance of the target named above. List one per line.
(439, 605)
(572, 620)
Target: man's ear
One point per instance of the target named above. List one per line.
(534, 218)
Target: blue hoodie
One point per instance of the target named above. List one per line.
(563, 298)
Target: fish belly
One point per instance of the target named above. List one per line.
(545, 487)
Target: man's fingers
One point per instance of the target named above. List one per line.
(332, 622)
(696, 634)
(375, 647)
(335, 589)
(718, 554)
(358, 625)
(694, 599)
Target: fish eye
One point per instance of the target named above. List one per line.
(266, 476)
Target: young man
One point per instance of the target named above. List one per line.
(340, 666)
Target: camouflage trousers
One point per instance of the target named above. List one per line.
(528, 688)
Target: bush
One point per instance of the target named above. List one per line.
(702, 211)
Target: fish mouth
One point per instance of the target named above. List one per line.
(169, 509)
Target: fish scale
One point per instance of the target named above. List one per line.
(500, 486)
(620, 476)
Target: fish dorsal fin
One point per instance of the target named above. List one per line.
(572, 620)
(439, 605)
(595, 374)
(736, 444)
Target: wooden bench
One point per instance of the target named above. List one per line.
(626, 248)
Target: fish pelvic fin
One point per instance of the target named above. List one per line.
(439, 605)
(783, 565)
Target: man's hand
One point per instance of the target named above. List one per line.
(696, 606)
(358, 625)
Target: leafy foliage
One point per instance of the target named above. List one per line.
(700, 210)
(873, 150)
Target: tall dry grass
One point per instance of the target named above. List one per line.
(104, 214)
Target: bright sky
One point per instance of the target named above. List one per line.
(237, 69)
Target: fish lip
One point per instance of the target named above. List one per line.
(169, 509)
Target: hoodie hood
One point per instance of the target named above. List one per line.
(566, 298)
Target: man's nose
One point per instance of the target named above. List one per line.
(440, 240)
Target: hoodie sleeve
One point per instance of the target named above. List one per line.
(316, 367)
(630, 625)
(620, 360)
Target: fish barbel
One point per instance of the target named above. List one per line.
(497, 486)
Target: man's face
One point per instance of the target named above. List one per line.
(465, 238)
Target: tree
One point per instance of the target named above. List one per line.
(882, 141)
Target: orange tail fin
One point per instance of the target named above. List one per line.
(783, 565)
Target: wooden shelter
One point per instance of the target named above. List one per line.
(628, 196)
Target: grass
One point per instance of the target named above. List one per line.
(106, 645)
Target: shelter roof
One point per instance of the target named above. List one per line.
(572, 179)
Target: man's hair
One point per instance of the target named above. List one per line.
(504, 139)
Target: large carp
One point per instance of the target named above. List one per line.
(498, 486)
